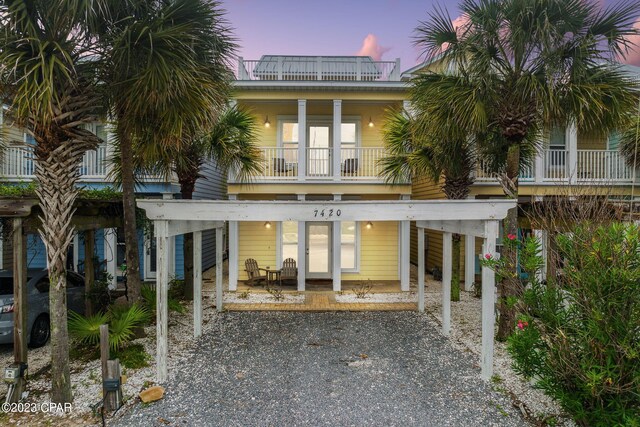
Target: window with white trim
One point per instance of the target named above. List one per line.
(290, 240)
(348, 245)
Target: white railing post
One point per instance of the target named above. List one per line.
(242, 72)
(359, 68)
(280, 68)
(572, 148)
(538, 173)
(395, 74)
(302, 139)
(337, 138)
(319, 65)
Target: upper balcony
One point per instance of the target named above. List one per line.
(318, 68)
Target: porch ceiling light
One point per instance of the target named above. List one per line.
(369, 225)
(267, 225)
(267, 123)
(370, 122)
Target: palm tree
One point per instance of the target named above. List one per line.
(229, 145)
(168, 75)
(420, 148)
(47, 64)
(522, 66)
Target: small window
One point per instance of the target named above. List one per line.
(290, 240)
(557, 138)
(348, 243)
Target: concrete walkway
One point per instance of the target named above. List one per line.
(325, 369)
(322, 301)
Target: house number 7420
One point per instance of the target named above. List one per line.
(326, 213)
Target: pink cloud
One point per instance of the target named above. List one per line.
(633, 55)
(371, 47)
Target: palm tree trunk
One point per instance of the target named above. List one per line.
(187, 186)
(56, 172)
(130, 226)
(510, 287)
(455, 267)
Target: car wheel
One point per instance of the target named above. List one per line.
(40, 331)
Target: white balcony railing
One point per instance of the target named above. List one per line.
(318, 68)
(589, 166)
(18, 163)
(356, 163)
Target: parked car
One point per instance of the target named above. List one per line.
(38, 326)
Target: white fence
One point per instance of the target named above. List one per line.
(18, 163)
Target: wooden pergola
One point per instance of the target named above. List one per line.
(473, 218)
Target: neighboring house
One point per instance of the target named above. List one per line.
(17, 166)
(591, 164)
(320, 138)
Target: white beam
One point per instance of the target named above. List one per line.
(302, 255)
(488, 302)
(472, 227)
(337, 138)
(421, 262)
(219, 272)
(369, 210)
(405, 253)
(162, 295)
(446, 282)
(178, 227)
(302, 139)
(233, 255)
(337, 254)
(197, 283)
(469, 261)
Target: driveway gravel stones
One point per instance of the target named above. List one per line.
(326, 369)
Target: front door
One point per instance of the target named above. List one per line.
(319, 151)
(319, 252)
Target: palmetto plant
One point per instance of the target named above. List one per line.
(423, 149)
(168, 77)
(517, 67)
(48, 58)
(229, 144)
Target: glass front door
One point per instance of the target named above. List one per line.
(319, 250)
(319, 151)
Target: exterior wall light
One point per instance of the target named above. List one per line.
(267, 225)
(370, 122)
(267, 123)
(369, 225)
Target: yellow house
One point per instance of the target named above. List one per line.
(321, 140)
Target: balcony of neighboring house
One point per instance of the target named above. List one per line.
(318, 68)
(571, 159)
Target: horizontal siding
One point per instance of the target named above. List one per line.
(378, 252)
(257, 242)
(592, 142)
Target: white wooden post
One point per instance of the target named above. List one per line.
(359, 68)
(446, 282)
(421, 269)
(242, 72)
(539, 163)
(337, 253)
(337, 138)
(172, 244)
(488, 301)
(404, 254)
(162, 295)
(572, 147)
(469, 261)
(541, 236)
(319, 65)
(395, 74)
(197, 283)
(76, 252)
(280, 67)
(233, 251)
(219, 269)
(302, 139)
(111, 254)
(302, 251)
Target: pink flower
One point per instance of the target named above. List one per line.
(511, 236)
(487, 256)
(520, 325)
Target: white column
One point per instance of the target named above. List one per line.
(488, 301)
(302, 252)
(469, 261)
(446, 282)
(302, 139)
(233, 252)
(405, 229)
(539, 163)
(337, 138)
(541, 236)
(111, 254)
(197, 283)
(172, 244)
(162, 295)
(572, 147)
(337, 251)
(421, 270)
(219, 272)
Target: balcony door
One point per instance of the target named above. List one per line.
(319, 149)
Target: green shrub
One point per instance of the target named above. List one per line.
(149, 298)
(578, 336)
(99, 294)
(86, 329)
(133, 356)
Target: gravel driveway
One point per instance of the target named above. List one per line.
(326, 369)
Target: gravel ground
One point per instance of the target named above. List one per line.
(290, 369)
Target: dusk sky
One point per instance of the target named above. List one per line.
(380, 28)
